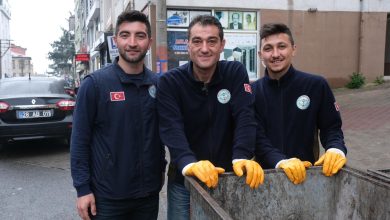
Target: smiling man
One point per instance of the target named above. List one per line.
(117, 157)
(206, 117)
(291, 106)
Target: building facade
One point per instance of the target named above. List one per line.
(334, 39)
(21, 64)
(94, 21)
(5, 41)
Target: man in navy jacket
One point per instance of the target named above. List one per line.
(117, 158)
(291, 106)
(206, 117)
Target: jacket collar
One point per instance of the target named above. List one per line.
(216, 78)
(284, 80)
(123, 77)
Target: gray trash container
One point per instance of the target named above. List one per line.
(351, 194)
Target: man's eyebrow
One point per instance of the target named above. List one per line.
(141, 32)
(128, 32)
(124, 32)
(209, 38)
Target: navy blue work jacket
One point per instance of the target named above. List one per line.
(213, 121)
(289, 112)
(116, 151)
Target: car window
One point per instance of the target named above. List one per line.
(20, 87)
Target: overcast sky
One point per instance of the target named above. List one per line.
(35, 24)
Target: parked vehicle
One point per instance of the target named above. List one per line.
(35, 108)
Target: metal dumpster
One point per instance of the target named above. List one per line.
(351, 194)
(383, 174)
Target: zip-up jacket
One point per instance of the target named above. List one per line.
(213, 121)
(116, 151)
(289, 112)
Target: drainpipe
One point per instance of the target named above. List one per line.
(360, 40)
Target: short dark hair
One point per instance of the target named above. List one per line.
(132, 16)
(236, 13)
(275, 28)
(205, 20)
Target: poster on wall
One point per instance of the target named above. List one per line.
(177, 48)
(223, 17)
(242, 47)
(239, 47)
(249, 20)
(196, 13)
(112, 48)
(235, 20)
(178, 18)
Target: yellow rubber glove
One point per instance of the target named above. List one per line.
(295, 169)
(332, 162)
(206, 172)
(254, 172)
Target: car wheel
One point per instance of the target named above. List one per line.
(67, 142)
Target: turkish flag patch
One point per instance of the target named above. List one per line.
(248, 88)
(117, 96)
(336, 106)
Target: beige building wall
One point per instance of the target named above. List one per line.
(373, 45)
(22, 66)
(333, 44)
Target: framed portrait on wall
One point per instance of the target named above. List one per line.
(250, 20)
(196, 13)
(223, 17)
(178, 18)
(235, 20)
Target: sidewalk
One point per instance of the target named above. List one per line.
(366, 125)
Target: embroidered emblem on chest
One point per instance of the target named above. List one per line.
(303, 102)
(223, 96)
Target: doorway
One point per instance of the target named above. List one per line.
(387, 48)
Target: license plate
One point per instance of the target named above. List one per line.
(34, 114)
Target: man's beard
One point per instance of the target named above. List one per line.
(132, 60)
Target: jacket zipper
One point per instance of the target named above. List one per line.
(282, 115)
(205, 90)
(140, 137)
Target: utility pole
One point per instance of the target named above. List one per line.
(3, 44)
(1, 60)
(161, 36)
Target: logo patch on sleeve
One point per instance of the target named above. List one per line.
(117, 96)
(336, 106)
(248, 88)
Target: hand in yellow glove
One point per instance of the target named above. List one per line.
(333, 160)
(206, 172)
(295, 169)
(254, 172)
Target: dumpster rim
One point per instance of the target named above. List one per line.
(210, 201)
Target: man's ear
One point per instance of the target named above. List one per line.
(294, 47)
(114, 38)
(259, 54)
(222, 45)
(150, 43)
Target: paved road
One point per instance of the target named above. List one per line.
(366, 126)
(35, 182)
